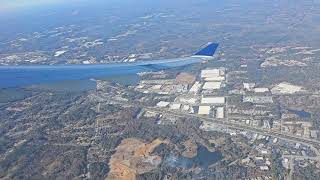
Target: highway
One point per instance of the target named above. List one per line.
(291, 138)
(314, 144)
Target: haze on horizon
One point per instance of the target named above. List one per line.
(14, 6)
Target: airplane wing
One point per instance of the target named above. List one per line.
(12, 76)
(204, 53)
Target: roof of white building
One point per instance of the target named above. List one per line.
(220, 112)
(213, 100)
(215, 78)
(204, 110)
(162, 104)
(210, 72)
(175, 106)
(211, 85)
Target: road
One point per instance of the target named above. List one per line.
(301, 157)
(314, 144)
(239, 126)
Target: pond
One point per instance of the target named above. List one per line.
(204, 159)
(301, 113)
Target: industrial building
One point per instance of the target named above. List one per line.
(213, 74)
(249, 86)
(213, 100)
(195, 88)
(261, 90)
(204, 110)
(258, 99)
(156, 87)
(211, 85)
(175, 106)
(220, 112)
(210, 72)
(215, 78)
(163, 104)
(186, 100)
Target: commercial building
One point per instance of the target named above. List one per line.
(195, 88)
(156, 87)
(215, 78)
(186, 107)
(264, 168)
(220, 112)
(211, 85)
(186, 100)
(213, 100)
(204, 110)
(258, 99)
(213, 74)
(210, 72)
(314, 134)
(249, 86)
(261, 90)
(175, 106)
(163, 104)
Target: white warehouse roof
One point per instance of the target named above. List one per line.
(211, 85)
(162, 104)
(213, 100)
(220, 113)
(195, 88)
(210, 72)
(204, 110)
(261, 90)
(215, 78)
(175, 106)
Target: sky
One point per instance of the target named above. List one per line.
(17, 5)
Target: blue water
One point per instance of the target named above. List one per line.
(16, 76)
(301, 113)
(203, 159)
(13, 94)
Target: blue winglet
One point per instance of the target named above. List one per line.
(209, 50)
